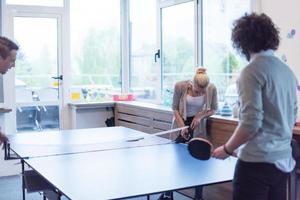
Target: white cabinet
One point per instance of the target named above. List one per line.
(143, 117)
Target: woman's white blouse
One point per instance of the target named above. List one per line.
(194, 105)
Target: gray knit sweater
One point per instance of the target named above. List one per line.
(268, 109)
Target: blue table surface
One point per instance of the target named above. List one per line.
(130, 172)
(100, 164)
(80, 140)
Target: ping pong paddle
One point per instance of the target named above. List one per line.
(200, 148)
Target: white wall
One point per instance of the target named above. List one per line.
(90, 117)
(286, 16)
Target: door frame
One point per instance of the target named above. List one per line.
(197, 31)
(9, 12)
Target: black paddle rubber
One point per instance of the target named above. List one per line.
(200, 148)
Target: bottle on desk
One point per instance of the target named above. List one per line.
(226, 110)
(235, 110)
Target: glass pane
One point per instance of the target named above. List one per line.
(143, 70)
(37, 118)
(219, 57)
(95, 49)
(37, 62)
(57, 3)
(178, 56)
(37, 59)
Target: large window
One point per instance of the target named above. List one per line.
(37, 62)
(37, 59)
(177, 45)
(95, 49)
(169, 29)
(221, 60)
(144, 71)
(81, 40)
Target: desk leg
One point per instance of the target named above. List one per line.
(59, 196)
(148, 197)
(23, 179)
(5, 150)
(52, 195)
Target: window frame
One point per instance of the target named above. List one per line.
(64, 12)
(197, 40)
(9, 11)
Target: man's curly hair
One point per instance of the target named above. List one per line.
(253, 33)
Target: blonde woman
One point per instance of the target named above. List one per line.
(193, 101)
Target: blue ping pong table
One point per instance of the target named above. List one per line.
(113, 163)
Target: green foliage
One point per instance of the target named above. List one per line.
(36, 73)
(178, 61)
(24, 67)
(178, 56)
(214, 54)
(100, 55)
(230, 63)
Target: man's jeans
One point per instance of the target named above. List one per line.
(259, 181)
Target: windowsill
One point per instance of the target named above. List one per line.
(79, 105)
(144, 105)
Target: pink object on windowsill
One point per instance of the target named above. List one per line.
(123, 97)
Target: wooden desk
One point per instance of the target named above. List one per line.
(220, 129)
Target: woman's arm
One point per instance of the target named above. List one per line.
(213, 107)
(175, 106)
(204, 114)
(214, 100)
(199, 116)
(176, 97)
(178, 119)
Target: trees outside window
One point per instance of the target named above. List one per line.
(95, 49)
(219, 57)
